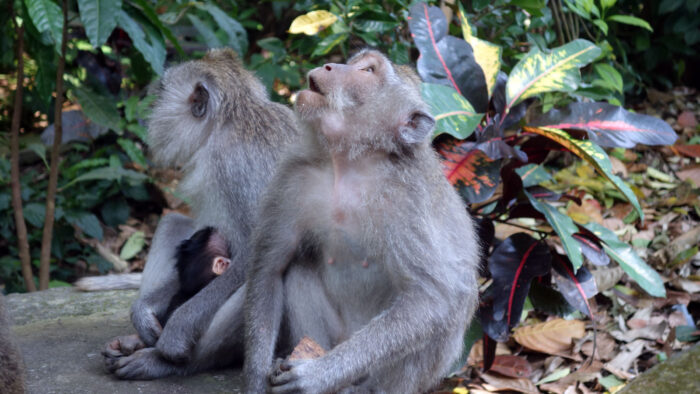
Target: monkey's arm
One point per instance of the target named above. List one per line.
(191, 319)
(160, 282)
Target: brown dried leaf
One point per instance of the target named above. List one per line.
(605, 347)
(552, 337)
(307, 348)
(521, 385)
(512, 366)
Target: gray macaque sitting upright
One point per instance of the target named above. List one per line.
(362, 244)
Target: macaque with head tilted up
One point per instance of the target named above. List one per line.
(362, 244)
(214, 120)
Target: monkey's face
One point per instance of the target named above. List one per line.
(366, 104)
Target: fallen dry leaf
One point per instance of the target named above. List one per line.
(691, 173)
(512, 366)
(624, 360)
(501, 384)
(687, 119)
(605, 347)
(552, 337)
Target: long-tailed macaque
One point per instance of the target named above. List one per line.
(362, 244)
(214, 120)
(11, 365)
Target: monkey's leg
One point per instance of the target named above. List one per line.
(160, 281)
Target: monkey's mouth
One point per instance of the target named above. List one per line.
(313, 86)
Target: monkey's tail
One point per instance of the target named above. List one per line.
(109, 282)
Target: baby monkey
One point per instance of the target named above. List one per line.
(199, 260)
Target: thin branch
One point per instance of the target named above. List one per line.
(45, 258)
(557, 22)
(20, 225)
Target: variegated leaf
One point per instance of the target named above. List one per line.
(540, 72)
(486, 54)
(453, 113)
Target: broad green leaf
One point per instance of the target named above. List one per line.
(486, 54)
(593, 154)
(100, 109)
(631, 20)
(534, 7)
(133, 245)
(150, 13)
(609, 75)
(453, 113)
(532, 174)
(605, 4)
(328, 43)
(540, 72)
(40, 149)
(312, 22)
(563, 226)
(98, 19)
(237, 36)
(630, 262)
(135, 154)
(87, 222)
(580, 7)
(601, 25)
(150, 46)
(108, 173)
(207, 33)
(375, 26)
(47, 17)
(34, 213)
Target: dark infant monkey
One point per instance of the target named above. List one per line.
(362, 244)
(214, 120)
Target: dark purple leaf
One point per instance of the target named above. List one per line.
(445, 59)
(609, 125)
(576, 288)
(489, 350)
(490, 141)
(499, 104)
(513, 265)
(591, 249)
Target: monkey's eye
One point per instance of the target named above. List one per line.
(369, 69)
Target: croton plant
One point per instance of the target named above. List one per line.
(484, 142)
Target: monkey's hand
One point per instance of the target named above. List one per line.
(144, 364)
(120, 347)
(145, 322)
(298, 376)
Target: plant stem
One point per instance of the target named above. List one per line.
(16, 186)
(45, 257)
(557, 22)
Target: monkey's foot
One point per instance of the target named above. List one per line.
(145, 364)
(120, 347)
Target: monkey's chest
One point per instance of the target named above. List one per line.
(355, 277)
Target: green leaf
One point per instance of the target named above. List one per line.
(108, 173)
(539, 72)
(629, 261)
(34, 213)
(601, 25)
(135, 154)
(100, 109)
(87, 222)
(605, 4)
(98, 19)
(40, 150)
(563, 226)
(667, 6)
(609, 75)
(532, 174)
(133, 245)
(328, 43)
(534, 7)
(153, 17)
(115, 211)
(593, 154)
(237, 36)
(207, 33)
(631, 20)
(554, 376)
(486, 54)
(453, 113)
(47, 17)
(152, 49)
(58, 283)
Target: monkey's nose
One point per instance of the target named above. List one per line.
(328, 67)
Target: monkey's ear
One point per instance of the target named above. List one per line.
(199, 100)
(417, 127)
(220, 265)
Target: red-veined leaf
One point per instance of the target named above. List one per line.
(593, 154)
(540, 72)
(469, 170)
(610, 125)
(445, 59)
(513, 265)
(592, 250)
(576, 288)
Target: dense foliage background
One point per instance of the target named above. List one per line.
(559, 203)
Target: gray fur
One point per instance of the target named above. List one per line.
(396, 299)
(227, 155)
